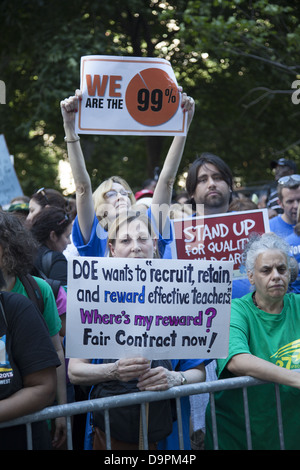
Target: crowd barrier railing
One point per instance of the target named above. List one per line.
(142, 398)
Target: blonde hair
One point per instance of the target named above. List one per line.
(100, 203)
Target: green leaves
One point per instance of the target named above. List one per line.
(235, 57)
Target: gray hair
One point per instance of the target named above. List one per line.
(260, 243)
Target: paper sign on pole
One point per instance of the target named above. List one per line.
(129, 96)
(9, 183)
(221, 237)
(167, 309)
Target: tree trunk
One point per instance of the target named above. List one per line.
(154, 145)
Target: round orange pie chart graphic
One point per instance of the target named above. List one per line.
(152, 98)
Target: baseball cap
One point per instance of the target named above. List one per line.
(143, 193)
(283, 162)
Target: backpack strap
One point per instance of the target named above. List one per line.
(53, 283)
(47, 262)
(55, 286)
(2, 311)
(33, 291)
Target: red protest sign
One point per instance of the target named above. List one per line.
(220, 237)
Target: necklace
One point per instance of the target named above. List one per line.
(260, 308)
(254, 301)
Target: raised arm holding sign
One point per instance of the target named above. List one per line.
(114, 195)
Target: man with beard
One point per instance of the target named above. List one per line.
(209, 182)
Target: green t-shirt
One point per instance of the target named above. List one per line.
(275, 338)
(50, 314)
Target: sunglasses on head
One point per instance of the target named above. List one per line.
(42, 192)
(291, 180)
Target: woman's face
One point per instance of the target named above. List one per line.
(117, 199)
(133, 241)
(34, 209)
(60, 243)
(270, 275)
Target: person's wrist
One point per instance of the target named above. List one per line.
(113, 371)
(70, 133)
(183, 380)
(71, 140)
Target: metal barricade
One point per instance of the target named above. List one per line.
(142, 398)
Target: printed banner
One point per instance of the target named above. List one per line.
(129, 96)
(167, 309)
(221, 237)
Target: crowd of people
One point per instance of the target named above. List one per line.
(39, 233)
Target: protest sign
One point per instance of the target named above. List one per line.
(218, 237)
(167, 309)
(9, 183)
(129, 96)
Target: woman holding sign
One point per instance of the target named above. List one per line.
(131, 236)
(264, 343)
(114, 195)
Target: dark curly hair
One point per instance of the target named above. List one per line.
(48, 220)
(18, 245)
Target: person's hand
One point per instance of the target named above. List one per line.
(188, 106)
(60, 434)
(158, 378)
(130, 368)
(69, 108)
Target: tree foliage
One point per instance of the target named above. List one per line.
(237, 59)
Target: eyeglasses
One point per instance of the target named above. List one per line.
(291, 180)
(113, 193)
(43, 193)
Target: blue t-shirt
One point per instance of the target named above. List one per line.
(280, 227)
(97, 244)
(294, 241)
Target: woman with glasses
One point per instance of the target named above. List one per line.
(96, 211)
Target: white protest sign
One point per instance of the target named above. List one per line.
(9, 183)
(129, 96)
(167, 309)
